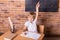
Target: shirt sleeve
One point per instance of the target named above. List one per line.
(26, 24)
(34, 21)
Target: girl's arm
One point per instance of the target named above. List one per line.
(37, 10)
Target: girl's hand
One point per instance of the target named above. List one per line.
(38, 5)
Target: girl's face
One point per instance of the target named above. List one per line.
(30, 19)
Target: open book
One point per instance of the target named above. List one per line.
(30, 35)
(9, 36)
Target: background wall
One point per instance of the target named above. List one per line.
(16, 10)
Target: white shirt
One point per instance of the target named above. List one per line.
(31, 26)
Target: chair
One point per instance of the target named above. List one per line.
(41, 31)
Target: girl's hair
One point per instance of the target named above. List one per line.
(32, 13)
(30, 16)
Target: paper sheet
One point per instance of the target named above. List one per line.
(30, 35)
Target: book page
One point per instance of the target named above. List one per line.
(30, 35)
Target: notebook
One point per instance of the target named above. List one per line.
(9, 36)
(30, 35)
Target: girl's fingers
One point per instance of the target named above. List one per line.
(38, 4)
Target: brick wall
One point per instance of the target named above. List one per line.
(15, 9)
